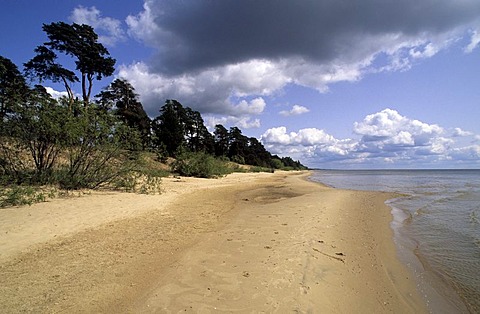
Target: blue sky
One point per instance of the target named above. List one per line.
(335, 84)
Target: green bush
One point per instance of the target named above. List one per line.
(22, 195)
(276, 163)
(100, 149)
(261, 169)
(139, 183)
(200, 165)
(238, 159)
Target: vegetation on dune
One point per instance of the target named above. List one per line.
(107, 140)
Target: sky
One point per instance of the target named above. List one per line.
(371, 84)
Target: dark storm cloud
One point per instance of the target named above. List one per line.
(194, 34)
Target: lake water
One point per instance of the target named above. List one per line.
(436, 227)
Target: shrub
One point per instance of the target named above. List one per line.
(200, 165)
(261, 169)
(22, 195)
(139, 183)
(99, 147)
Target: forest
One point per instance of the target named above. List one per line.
(92, 141)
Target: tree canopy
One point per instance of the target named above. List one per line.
(92, 59)
(13, 87)
(179, 128)
(120, 97)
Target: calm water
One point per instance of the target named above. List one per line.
(439, 221)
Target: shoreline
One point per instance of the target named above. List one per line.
(438, 293)
(270, 242)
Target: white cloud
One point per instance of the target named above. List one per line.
(403, 138)
(256, 106)
(210, 91)
(474, 41)
(384, 138)
(240, 122)
(467, 153)
(427, 51)
(391, 126)
(277, 136)
(305, 137)
(295, 111)
(458, 132)
(247, 123)
(54, 93)
(110, 30)
(306, 144)
(143, 27)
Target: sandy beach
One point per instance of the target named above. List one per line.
(246, 243)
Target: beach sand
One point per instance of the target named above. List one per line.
(246, 243)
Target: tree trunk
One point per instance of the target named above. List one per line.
(90, 84)
(69, 92)
(84, 89)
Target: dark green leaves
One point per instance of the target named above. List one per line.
(92, 59)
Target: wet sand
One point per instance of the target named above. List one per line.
(244, 243)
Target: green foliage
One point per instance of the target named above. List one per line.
(276, 163)
(237, 144)
(168, 127)
(17, 195)
(161, 152)
(139, 183)
(36, 128)
(146, 178)
(238, 159)
(196, 135)
(239, 169)
(120, 97)
(290, 164)
(200, 165)
(261, 169)
(44, 67)
(13, 88)
(222, 142)
(79, 42)
(178, 129)
(97, 149)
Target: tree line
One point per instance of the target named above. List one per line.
(90, 140)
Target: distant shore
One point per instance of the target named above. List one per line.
(246, 242)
